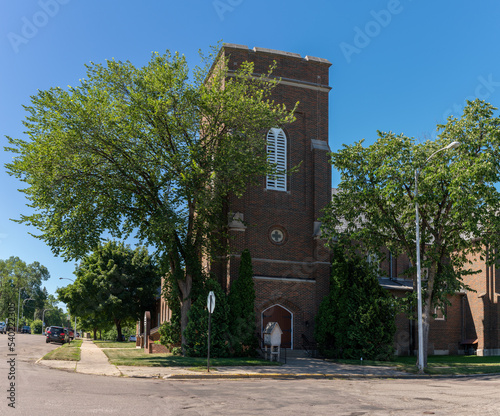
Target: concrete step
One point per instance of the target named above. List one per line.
(294, 353)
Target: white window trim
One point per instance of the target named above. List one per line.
(437, 311)
(276, 154)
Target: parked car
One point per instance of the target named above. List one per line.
(26, 329)
(70, 332)
(132, 338)
(57, 334)
(3, 328)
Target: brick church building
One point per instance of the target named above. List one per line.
(278, 222)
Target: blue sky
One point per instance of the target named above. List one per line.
(398, 65)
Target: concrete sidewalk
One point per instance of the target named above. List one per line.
(94, 361)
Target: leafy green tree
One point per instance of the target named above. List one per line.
(114, 283)
(21, 280)
(196, 333)
(457, 198)
(112, 334)
(242, 304)
(356, 319)
(148, 151)
(94, 323)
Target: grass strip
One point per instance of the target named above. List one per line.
(114, 344)
(66, 352)
(137, 357)
(439, 364)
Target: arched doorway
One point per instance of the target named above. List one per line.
(284, 317)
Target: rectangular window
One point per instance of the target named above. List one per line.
(276, 154)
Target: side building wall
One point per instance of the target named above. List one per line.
(482, 313)
(446, 330)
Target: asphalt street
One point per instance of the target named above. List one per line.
(46, 391)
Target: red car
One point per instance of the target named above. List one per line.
(70, 332)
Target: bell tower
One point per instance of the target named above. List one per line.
(278, 221)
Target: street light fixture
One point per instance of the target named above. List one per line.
(452, 145)
(67, 278)
(43, 317)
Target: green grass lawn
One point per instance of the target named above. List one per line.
(66, 352)
(140, 358)
(114, 344)
(440, 364)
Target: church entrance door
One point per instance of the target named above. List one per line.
(284, 318)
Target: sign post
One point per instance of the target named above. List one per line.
(210, 307)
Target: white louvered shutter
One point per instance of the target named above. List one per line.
(276, 153)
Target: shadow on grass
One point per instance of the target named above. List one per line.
(438, 364)
(114, 344)
(140, 358)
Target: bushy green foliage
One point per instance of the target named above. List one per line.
(112, 334)
(176, 351)
(196, 333)
(36, 326)
(241, 303)
(357, 318)
(170, 332)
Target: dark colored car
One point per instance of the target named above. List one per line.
(26, 329)
(57, 334)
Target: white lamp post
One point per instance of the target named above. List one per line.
(67, 278)
(43, 317)
(452, 145)
(18, 307)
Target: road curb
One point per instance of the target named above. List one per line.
(276, 376)
(283, 376)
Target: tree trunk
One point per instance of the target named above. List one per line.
(118, 324)
(427, 311)
(95, 333)
(185, 306)
(425, 327)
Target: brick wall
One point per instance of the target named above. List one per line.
(482, 313)
(302, 255)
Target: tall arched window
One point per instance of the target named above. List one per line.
(276, 154)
